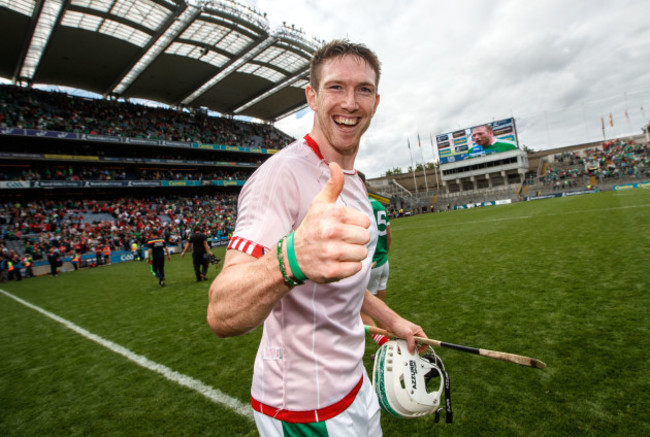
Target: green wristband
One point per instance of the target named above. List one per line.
(286, 277)
(293, 262)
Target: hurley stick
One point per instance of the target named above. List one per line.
(505, 356)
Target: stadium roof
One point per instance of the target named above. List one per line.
(218, 54)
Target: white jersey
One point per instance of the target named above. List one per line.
(310, 354)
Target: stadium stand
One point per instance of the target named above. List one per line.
(598, 165)
(611, 163)
(78, 172)
(74, 181)
(55, 111)
(93, 151)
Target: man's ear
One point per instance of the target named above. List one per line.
(376, 104)
(310, 94)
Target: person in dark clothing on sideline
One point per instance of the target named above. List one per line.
(54, 258)
(155, 252)
(200, 250)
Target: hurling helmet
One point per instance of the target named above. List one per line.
(407, 385)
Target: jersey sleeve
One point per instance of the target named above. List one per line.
(268, 208)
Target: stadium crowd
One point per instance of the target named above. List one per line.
(83, 173)
(616, 160)
(78, 227)
(27, 108)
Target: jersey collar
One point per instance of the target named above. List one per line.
(314, 146)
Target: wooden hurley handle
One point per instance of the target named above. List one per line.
(505, 356)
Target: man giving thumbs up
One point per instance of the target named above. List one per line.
(298, 262)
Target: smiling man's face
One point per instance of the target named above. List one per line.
(344, 105)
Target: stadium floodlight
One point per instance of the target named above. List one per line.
(179, 24)
(46, 20)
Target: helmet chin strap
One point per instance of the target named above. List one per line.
(449, 414)
(434, 373)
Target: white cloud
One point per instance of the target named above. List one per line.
(557, 66)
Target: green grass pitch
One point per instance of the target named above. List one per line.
(564, 280)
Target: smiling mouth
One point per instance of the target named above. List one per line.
(346, 121)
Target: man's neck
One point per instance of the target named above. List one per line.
(330, 154)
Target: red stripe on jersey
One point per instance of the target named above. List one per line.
(314, 146)
(246, 246)
(308, 416)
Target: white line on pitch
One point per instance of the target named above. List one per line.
(211, 393)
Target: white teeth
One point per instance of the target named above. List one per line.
(346, 121)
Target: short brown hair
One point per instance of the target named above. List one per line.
(341, 47)
(487, 128)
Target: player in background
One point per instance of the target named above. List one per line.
(380, 270)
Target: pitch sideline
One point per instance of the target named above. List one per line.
(209, 392)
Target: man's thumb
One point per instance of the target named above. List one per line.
(333, 187)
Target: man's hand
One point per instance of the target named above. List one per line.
(330, 243)
(393, 322)
(406, 330)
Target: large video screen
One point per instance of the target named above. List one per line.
(481, 140)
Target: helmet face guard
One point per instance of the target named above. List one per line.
(407, 385)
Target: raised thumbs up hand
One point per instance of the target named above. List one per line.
(330, 243)
(334, 186)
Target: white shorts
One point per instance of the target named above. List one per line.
(378, 278)
(361, 418)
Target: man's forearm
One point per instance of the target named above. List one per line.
(385, 316)
(389, 238)
(378, 310)
(244, 293)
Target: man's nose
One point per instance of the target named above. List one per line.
(350, 100)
